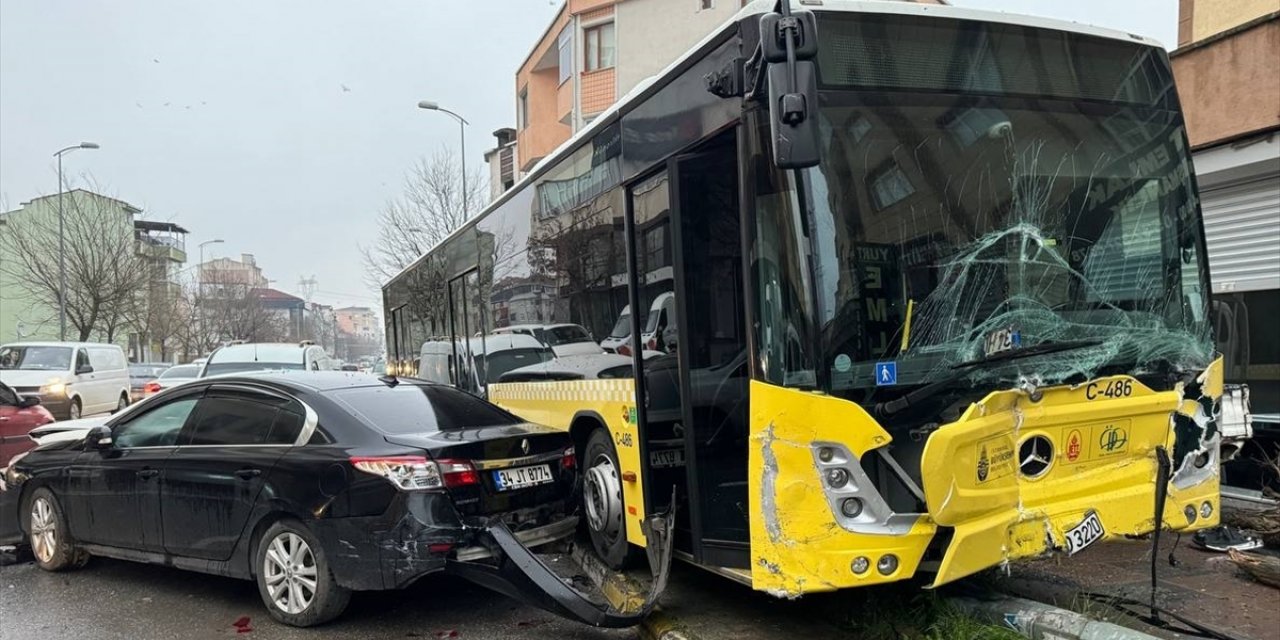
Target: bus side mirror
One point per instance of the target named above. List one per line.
(793, 116)
(793, 86)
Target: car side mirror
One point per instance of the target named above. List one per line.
(28, 401)
(99, 438)
(84, 368)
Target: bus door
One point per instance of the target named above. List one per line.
(464, 321)
(702, 372)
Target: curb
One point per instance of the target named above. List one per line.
(1037, 620)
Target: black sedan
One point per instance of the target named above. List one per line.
(313, 484)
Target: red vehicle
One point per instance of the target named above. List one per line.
(18, 416)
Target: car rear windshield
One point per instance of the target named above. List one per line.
(215, 368)
(181, 371)
(408, 408)
(566, 335)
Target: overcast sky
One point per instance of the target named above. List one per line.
(281, 126)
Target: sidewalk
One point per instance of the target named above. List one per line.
(1204, 587)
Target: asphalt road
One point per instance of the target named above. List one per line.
(113, 599)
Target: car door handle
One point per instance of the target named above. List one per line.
(147, 474)
(248, 474)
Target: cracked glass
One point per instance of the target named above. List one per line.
(1029, 188)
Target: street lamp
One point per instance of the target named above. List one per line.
(62, 251)
(462, 135)
(199, 271)
(200, 288)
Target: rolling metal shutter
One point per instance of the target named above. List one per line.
(1242, 229)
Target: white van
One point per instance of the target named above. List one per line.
(659, 328)
(73, 379)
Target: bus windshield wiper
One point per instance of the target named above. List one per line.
(898, 405)
(1035, 350)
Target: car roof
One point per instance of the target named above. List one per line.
(259, 352)
(55, 343)
(505, 342)
(312, 380)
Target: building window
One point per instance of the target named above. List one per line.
(890, 187)
(522, 109)
(600, 46)
(565, 43)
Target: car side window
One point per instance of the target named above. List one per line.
(158, 427)
(7, 396)
(238, 419)
(82, 359)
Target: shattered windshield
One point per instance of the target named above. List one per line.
(961, 221)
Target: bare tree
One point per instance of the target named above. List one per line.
(162, 316)
(231, 308)
(429, 209)
(105, 274)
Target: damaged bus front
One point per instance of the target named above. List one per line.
(995, 278)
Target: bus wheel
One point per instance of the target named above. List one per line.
(602, 502)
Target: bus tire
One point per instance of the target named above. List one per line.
(602, 503)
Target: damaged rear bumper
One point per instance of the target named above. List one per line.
(521, 574)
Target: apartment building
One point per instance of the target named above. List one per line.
(592, 54)
(95, 226)
(1229, 85)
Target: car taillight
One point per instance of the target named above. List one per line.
(407, 473)
(570, 460)
(151, 387)
(624, 350)
(458, 473)
(653, 343)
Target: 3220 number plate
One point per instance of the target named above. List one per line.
(1084, 534)
(521, 477)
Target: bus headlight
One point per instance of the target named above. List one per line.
(837, 477)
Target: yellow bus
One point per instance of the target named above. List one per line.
(886, 290)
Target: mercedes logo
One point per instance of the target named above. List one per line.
(1035, 455)
(524, 446)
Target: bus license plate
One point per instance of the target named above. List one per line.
(521, 477)
(1084, 534)
(665, 458)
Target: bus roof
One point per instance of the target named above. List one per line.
(758, 7)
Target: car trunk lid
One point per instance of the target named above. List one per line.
(521, 469)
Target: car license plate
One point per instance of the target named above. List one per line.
(521, 477)
(1084, 534)
(666, 458)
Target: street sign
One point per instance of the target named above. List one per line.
(886, 373)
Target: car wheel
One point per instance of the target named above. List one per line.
(73, 410)
(51, 543)
(602, 503)
(294, 578)
(122, 403)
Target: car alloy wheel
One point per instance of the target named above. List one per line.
(122, 403)
(289, 569)
(44, 530)
(73, 413)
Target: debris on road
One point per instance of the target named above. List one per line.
(1264, 569)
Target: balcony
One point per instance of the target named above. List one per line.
(161, 240)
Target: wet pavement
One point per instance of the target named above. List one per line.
(112, 599)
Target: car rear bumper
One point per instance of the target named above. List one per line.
(418, 534)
